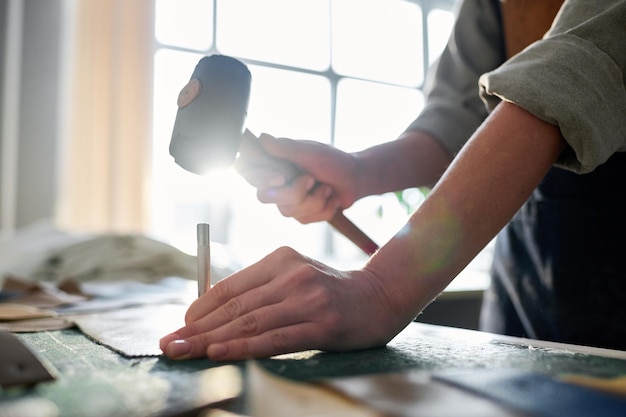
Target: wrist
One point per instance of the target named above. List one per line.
(361, 182)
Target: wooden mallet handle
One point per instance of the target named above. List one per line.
(250, 145)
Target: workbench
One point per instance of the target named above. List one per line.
(92, 380)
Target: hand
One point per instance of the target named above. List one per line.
(286, 303)
(322, 179)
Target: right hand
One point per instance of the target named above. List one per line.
(325, 182)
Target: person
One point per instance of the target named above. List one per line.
(544, 169)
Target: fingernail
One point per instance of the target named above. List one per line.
(217, 351)
(178, 348)
(310, 183)
(276, 181)
(165, 340)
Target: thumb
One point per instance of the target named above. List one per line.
(282, 148)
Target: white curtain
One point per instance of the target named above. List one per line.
(107, 155)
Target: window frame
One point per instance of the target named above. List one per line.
(330, 243)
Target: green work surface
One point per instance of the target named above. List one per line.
(92, 380)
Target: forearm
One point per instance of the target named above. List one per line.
(287, 302)
(415, 159)
(486, 184)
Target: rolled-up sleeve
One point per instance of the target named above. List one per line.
(454, 109)
(573, 78)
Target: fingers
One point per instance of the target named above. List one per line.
(263, 332)
(318, 205)
(264, 169)
(260, 172)
(205, 306)
(294, 192)
(282, 148)
(244, 319)
(284, 340)
(277, 341)
(253, 277)
(305, 179)
(304, 199)
(272, 162)
(226, 304)
(302, 304)
(246, 291)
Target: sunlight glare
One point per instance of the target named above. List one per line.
(222, 183)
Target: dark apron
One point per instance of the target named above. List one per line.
(559, 270)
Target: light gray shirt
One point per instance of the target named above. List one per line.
(574, 78)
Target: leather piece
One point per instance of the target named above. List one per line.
(36, 325)
(30, 308)
(18, 365)
(415, 393)
(535, 394)
(103, 296)
(14, 311)
(615, 385)
(42, 294)
(133, 332)
(109, 296)
(270, 395)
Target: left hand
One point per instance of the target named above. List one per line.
(286, 303)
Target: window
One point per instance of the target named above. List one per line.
(345, 72)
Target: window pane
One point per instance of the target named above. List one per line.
(369, 113)
(282, 103)
(289, 104)
(172, 70)
(440, 24)
(176, 203)
(256, 229)
(378, 39)
(285, 32)
(184, 23)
